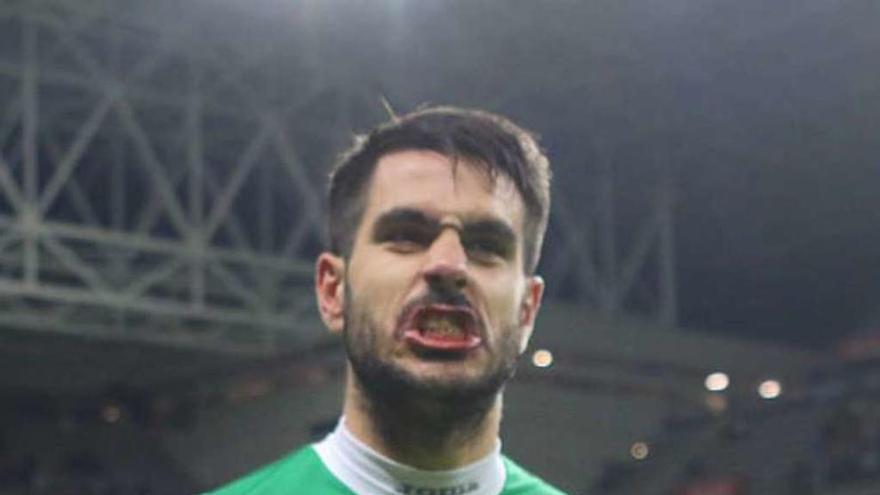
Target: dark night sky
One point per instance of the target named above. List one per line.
(768, 111)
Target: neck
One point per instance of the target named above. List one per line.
(424, 433)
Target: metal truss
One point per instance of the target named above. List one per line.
(597, 264)
(155, 184)
(611, 239)
(146, 171)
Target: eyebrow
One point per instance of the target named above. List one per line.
(491, 228)
(480, 226)
(398, 216)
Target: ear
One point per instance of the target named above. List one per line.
(330, 290)
(531, 303)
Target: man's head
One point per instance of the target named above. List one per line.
(436, 221)
(492, 142)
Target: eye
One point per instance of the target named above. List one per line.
(486, 249)
(407, 239)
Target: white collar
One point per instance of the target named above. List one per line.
(366, 472)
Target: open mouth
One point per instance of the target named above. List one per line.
(443, 328)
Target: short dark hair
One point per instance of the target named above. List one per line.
(483, 138)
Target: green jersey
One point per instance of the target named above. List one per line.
(304, 473)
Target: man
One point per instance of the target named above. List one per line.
(436, 221)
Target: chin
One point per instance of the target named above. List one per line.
(454, 380)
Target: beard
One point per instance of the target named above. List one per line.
(393, 390)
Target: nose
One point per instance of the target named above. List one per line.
(446, 266)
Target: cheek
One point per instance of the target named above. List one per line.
(379, 287)
(505, 302)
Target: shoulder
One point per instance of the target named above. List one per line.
(521, 482)
(287, 476)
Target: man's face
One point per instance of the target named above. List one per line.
(435, 295)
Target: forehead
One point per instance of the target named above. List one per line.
(430, 182)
